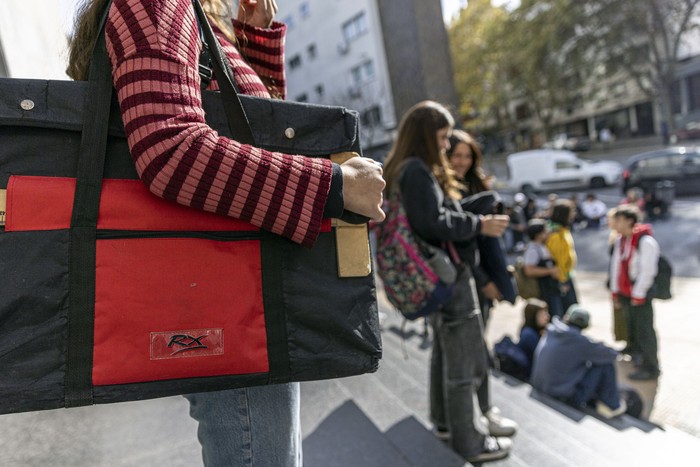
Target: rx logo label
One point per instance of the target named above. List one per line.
(184, 343)
(187, 343)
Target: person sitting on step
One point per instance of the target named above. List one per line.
(571, 367)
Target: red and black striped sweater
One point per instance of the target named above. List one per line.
(154, 48)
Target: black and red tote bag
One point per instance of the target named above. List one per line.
(108, 293)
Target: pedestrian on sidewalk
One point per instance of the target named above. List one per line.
(539, 264)
(561, 245)
(431, 194)
(633, 267)
(619, 321)
(593, 211)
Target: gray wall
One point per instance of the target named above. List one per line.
(418, 53)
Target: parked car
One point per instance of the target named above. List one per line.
(568, 142)
(690, 130)
(678, 164)
(549, 169)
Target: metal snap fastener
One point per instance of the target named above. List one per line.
(27, 104)
(289, 133)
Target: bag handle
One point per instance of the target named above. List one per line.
(235, 114)
(83, 229)
(86, 201)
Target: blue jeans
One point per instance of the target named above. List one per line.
(457, 368)
(599, 384)
(250, 427)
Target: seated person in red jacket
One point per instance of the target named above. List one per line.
(571, 367)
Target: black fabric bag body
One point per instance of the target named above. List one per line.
(110, 294)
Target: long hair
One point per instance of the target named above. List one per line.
(561, 212)
(87, 23)
(475, 177)
(532, 306)
(417, 137)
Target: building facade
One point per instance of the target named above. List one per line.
(378, 57)
(33, 39)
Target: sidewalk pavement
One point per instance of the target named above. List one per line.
(672, 400)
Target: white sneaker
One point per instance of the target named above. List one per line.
(493, 450)
(499, 425)
(606, 412)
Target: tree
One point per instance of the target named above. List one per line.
(529, 55)
(476, 59)
(548, 66)
(641, 39)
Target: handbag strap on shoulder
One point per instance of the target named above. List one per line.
(83, 229)
(235, 114)
(86, 201)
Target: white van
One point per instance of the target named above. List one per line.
(549, 169)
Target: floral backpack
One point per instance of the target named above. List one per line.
(417, 277)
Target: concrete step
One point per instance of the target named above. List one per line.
(551, 433)
(347, 437)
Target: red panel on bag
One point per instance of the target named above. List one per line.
(177, 308)
(46, 203)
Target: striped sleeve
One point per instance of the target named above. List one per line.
(264, 51)
(154, 48)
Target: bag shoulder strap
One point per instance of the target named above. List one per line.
(238, 121)
(83, 229)
(86, 201)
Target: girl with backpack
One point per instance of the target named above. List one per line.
(417, 167)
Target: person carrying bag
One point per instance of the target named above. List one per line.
(210, 288)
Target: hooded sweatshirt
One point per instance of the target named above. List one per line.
(562, 358)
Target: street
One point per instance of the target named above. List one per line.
(678, 235)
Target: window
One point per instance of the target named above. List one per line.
(356, 73)
(295, 62)
(302, 98)
(693, 160)
(676, 97)
(311, 50)
(372, 116)
(676, 160)
(652, 162)
(694, 90)
(368, 68)
(563, 165)
(320, 90)
(362, 72)
(304, 10)
(355, 27)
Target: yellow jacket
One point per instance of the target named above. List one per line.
(561, 245)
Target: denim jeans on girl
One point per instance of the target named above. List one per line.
(249, 427)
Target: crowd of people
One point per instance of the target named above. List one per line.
(563, 362)
(449, 199)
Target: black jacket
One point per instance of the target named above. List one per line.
(433, 217)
